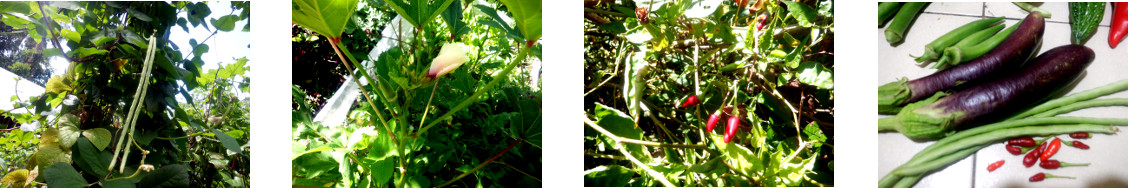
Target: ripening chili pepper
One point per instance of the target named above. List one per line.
(1051, 149)
(1014, 149)
(1042, 176)
(1079, 135)
(996, 165)
(1039, 143)
(690, 102)
(733, 125)
(1077, 144)
(1119, 25)
(713, 119)
(641, 14)
(1024, 142)
(1054, 164)
(761, 21)
(1031, 158)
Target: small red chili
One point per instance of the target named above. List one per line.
(690, 102)
(1024, 142)
(1077, 144)
(713, 119)
(1051, 149)
(1079, 135)
(1031, 158)
(733, 125)
(761, 21)
(1014, 150)
(996, 165)
(1054, 164)
(1042, 176)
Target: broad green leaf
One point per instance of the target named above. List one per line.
(68, 135)
(381, 168)
(118, 184)
(183, 23)
(814, 133)
(607, 176)
(326, 17)
(71, 36)
(139, 15)
(528, 16)
(83, 52)
(100, 137)
(15, 7)
(813, 73)
(225, 23)
(453, 17)
(802, 13)
(90, 159)
(63, 175)
(314, 164)
(619, 124)
(419, 13)
(227, 141)
(167, 176)
(742, 159)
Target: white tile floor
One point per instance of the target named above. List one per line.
(1109, 152)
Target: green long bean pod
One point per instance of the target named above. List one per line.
(1114, 87)
(895, 33)
(885, 10)
(933, 50)
(1083, 105)
(967, 50)
(131, 115)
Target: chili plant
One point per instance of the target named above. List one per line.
(765, 66)
(121, 114)
(440, 104)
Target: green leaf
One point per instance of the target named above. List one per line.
(453, 17)
(813, 73)
(183, 23)
(90, 159)
(314, 164)
(118, 184)
(528, 16)
(71, 36)
(100, 137)
(139, 15)
(619, 124)
(607, 176)
(227, 141)
(814, 133)
(83, 52)
(419, 13)
(326, 17)
(16, 7)
(167, 176)
(381, 168)
(63, 175)
(68, 135)
(225, 23)
(197, 12)
(802, 13)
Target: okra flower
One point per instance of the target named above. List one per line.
(451, 56)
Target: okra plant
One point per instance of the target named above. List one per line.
(451, 100)
(133, 108)
(709, 93)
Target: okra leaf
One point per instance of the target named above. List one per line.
(326, 17)
(453, 17)
(528, 16)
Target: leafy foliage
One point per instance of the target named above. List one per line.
(84, 112)
(769, 63)
(482, 122)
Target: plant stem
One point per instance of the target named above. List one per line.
(379, 115)
(481, 91)
(518, 141)
(619, 139)
(181, 137)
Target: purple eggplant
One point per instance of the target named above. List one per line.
(1045, 75)
(1009, 55)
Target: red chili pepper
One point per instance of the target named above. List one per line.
(1042, 176)
(1054, 164)
(1119, 24)
(733, 125)
(1014, 149)
(1024, 142)
(996, 165)
(761, 21)
(1079, 135)
(741, 3)
(690, 102)
(641, 14)
(1031, 158)
(713, 119)
(1051, 149)
(1077, 144)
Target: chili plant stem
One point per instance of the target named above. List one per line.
(618, 139)
(481, 91)
(518, 141)
(1074, 98)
